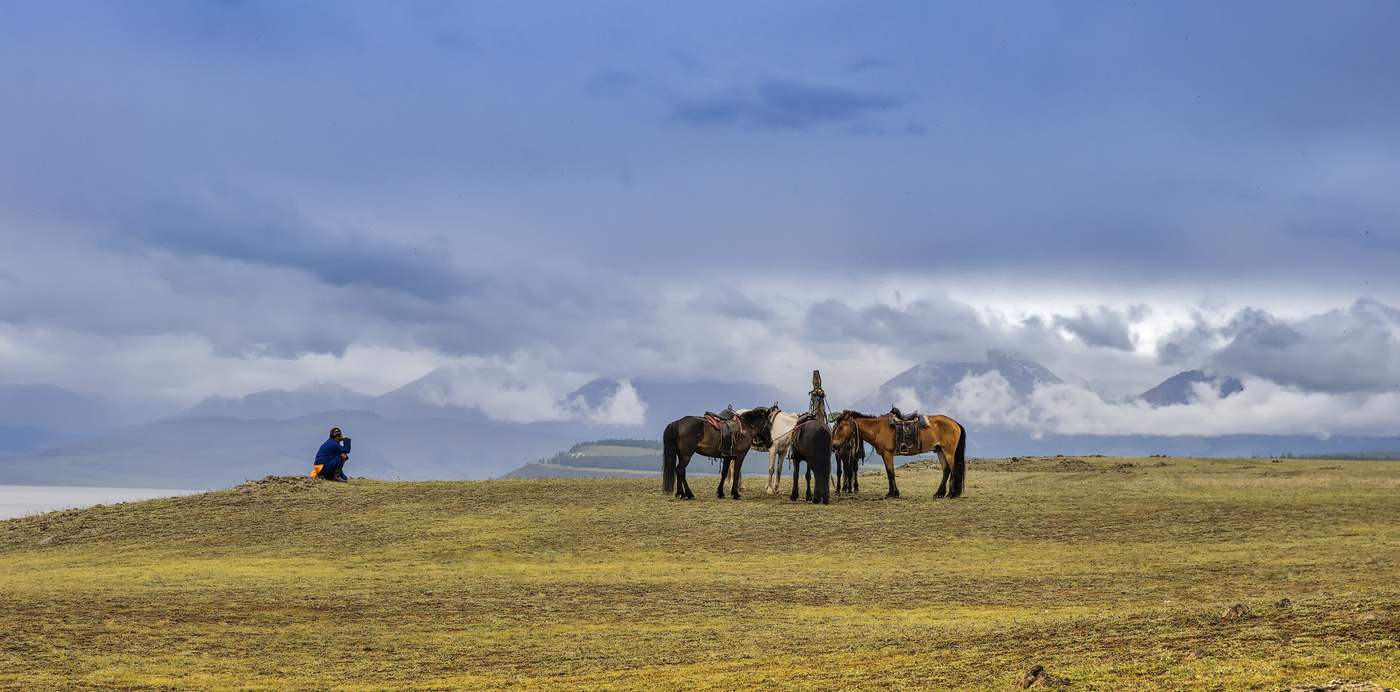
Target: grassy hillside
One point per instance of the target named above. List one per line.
(1113, 573)
(605, 459)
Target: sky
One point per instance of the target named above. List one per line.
(202, 198)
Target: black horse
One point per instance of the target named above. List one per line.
(694, 434)
(848, 458)
(811, 442)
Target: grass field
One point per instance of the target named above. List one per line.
(1108, 572)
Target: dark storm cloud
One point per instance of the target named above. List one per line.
(277, 235)
(781, 104)
(1104, 327)
(1187, 343)
(732, 303)
(1339, 351)
(920, 324)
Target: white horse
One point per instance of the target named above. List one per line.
(782, 425)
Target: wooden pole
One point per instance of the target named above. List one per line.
(818, 397)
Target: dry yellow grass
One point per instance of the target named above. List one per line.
(1107, 574)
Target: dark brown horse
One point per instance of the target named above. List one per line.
(848, 458)
(811, 442)
(943, 434)
(695, 435)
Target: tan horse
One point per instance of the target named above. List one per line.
(942, 434)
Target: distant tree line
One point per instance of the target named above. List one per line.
(644, 444)
(639, 462)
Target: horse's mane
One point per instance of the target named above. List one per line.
(857, 414)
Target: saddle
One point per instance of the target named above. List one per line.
(802, 419)
(726, 414)
(906, 430)
(729, 428)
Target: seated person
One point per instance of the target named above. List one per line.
(331, 458)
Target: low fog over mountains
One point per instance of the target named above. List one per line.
(928, 386)
(427, 429)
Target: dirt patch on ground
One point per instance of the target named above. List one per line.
(278, 484)
(1052, 464)
(921, 464)
(1341, 686)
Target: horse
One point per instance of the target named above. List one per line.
(780, 430)
(693, 434)
(811, 442)
(848, 458)
(942, 434)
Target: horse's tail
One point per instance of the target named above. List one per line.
(822, 446)
(670, 449)
(959, 462)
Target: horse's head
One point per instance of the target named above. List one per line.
(761, 420)
(843, 428)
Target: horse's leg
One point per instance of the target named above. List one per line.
(682, 485)
(779, 451)
(737, 465)
(947, 471)
(796, 480)
(775, 471)
(723, 476)
(769, 489)
(809, 482)
(888, 456)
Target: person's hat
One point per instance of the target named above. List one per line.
(335, 431)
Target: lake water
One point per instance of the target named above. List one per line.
(20, 500)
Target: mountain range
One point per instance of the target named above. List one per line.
(413, 433)
(416, 432)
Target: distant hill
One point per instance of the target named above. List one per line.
(33, 416)
(215, 452)
(1178, 389)
(926, 386)
(281, 404)
(601, 459)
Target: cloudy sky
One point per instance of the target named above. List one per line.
(205, 198)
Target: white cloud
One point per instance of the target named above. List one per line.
(906, 399)
(1332, 370)
(1263, 407)
(624, 407)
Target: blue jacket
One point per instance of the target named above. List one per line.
(331, 451)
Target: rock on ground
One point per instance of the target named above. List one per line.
(1038, 677)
